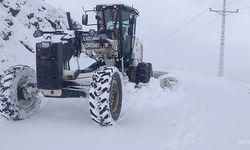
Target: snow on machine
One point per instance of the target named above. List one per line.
(118, 54)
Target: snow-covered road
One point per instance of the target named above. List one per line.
(204, 112)
(227, 125)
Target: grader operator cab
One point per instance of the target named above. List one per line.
(118, 23)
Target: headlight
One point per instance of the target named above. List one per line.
(43, 45)
(44, 49)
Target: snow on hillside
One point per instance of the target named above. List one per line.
(18, 21)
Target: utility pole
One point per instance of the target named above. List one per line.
(223, 13)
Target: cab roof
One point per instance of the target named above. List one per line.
(121, 6)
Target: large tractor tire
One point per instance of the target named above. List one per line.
(144, 72)
(105, 97)
(18, 93)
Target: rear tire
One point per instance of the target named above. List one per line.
(18, 93)
(144, 72)
(105, 97)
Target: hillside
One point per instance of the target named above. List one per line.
(19, 19)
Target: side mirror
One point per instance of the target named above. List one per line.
(38, 33)
(85, 18)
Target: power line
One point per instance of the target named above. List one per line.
(199, 29)
(185, 24)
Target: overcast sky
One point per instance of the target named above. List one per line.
(196, 45)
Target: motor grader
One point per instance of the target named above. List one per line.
(118, 55)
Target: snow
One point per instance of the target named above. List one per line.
(202, 112)
(226, 104)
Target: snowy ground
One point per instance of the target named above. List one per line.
(204, 112)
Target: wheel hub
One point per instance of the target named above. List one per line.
(115, 95)
(26, 93)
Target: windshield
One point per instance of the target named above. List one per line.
(109, 21)
(125, 22)
(111, 18)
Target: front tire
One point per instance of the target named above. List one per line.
(18, 93)
(105, 97)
